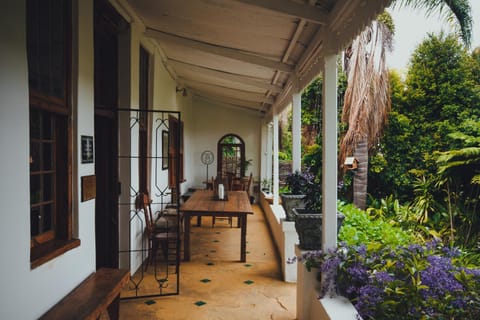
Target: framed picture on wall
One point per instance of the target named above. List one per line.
(165, 145)
(87, 149)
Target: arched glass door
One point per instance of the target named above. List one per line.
(231, 156)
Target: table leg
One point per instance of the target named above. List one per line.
(243, 241)
(186, 237)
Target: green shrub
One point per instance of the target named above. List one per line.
(360, 228)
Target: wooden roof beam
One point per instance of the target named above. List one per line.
(229, 101)
(227, 92)
(255, 82)
(218, 50)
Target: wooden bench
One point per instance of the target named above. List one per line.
(98, 293)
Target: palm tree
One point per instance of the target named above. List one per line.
(366, 102)
(367, 98)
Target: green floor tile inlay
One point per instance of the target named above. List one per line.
(149, 302)
(200, 303)
(205, 280)
(247, 265)
(248, 252)
(248, 282)
(210, 264)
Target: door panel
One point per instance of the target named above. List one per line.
(107, 27)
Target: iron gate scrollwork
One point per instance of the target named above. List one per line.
(149, 192)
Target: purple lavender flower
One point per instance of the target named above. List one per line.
(331, 264)
(369, 297)
(439, 277)
(383, 277)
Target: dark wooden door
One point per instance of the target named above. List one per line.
(108, 25)
(106, 210)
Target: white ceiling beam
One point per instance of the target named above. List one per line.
(228, 101)
(255, 82)
(293, 9)
(227, 92)
(218, 50)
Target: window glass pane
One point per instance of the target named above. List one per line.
(35, 189)
(34, 156)
(35, 123)
(47, 156)
(47, 125)
(48, 187)
(48, 46)
(46, 37)
(231, 140)
(47, 217)
(58, 55)
(34, 219)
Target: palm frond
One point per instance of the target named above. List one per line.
(367, 97)
(468, 140)
(459, 10)
(458, 158)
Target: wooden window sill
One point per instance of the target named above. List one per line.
(50, 250)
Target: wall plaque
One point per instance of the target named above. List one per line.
(89, 188)
(87, 149)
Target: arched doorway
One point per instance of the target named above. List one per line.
(231, 156)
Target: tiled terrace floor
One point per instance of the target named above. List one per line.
(228, 288)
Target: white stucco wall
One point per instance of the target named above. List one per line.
(29, 293)
(209, 122)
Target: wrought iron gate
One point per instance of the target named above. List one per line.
(150, 162)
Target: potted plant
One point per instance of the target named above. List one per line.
(245, 164)
(308, 220)
(266, 185)
(293, 198)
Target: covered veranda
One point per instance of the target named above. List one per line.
(253, 58)
(222, 66)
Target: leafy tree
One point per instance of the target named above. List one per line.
(367, 98)
(430, 148)
(460, 171)
(440, 96)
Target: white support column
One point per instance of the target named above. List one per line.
(275, 160)
(296, 132)
(329, 165)
(269, 152)
(264, 153)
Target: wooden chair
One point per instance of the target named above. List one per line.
(248, 184)
(164, 238)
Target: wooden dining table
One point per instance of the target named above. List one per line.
(203, 203)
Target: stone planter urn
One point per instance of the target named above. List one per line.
(290, 201)
(308, 225)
